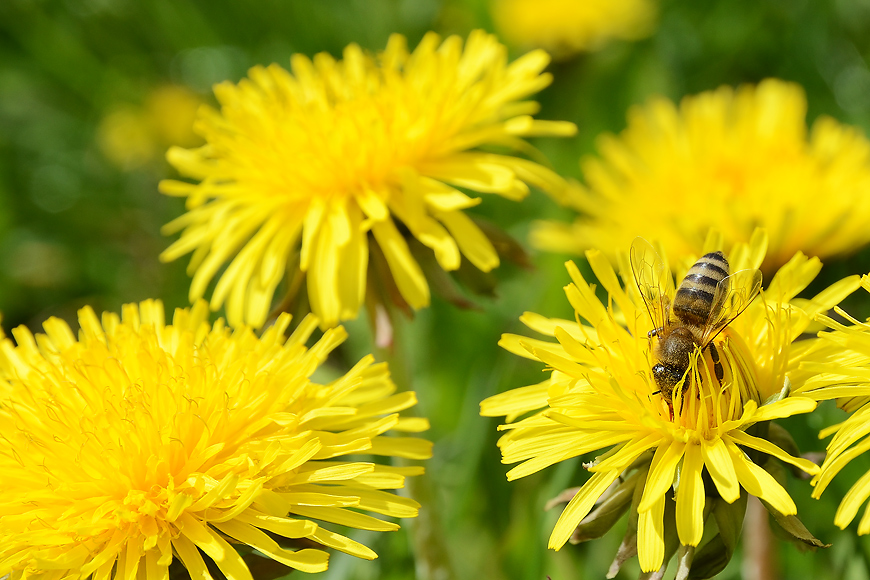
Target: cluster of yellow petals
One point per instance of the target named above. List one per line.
(140, 441)
(839, 368)
(729, 159)
(601, 395)
(566, 27)
(314, 166)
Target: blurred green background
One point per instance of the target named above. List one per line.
(92, 92)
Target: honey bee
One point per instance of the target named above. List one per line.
(707, 300)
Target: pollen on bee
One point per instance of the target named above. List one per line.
(700, 405)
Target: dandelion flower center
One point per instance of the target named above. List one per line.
(704, 403)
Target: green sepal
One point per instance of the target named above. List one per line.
(507, 248)
(638, 495)
(627, 550)
(609, 510)
(672, 540)
(759, 430)
(294, 300)
(712, 557)
(779, 436)
(628, 547)
(729, 519)
(440, 282)
(790, 528)
(475, 281)
(782, 394)
(381, 288)
(685, 556)
(261, 567)
(565, 496)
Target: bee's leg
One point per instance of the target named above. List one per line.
(650, 335)
(717, 363)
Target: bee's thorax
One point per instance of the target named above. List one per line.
(676, 348)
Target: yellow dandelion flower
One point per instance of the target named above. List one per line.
(125, 138)
(141, 442)
(840, 369)
(171, 112)
(338, 160)
(601, 394)
(566, 27)
(729, 159)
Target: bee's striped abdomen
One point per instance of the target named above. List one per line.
(694, 298)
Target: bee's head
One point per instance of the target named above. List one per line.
(666, 378)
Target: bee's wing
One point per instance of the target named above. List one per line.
(733, 294)
(653, 281)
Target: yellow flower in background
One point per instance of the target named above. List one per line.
(601, 397)
(730, 159)
(171, 112)
(125, 138)
(131, 136)
(318, 166)
(840, 365)
(566, 27)
(142, 442)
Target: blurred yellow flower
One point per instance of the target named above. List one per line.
(565, 27)
(171, 112)
(131, 136)
(125, 138)
(728, 159)
(601, 394)
(321, 167)
(143, 442)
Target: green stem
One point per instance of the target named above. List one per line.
(426, 531)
